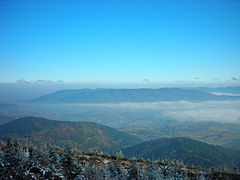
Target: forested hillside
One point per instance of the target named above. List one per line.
(87, 136)
(191, 152)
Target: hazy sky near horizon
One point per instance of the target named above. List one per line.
(120, 41)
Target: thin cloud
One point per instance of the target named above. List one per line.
(145, 80)
(39, 81)
(43, 81)
(236, 78)
(22, 81)
(60, 81)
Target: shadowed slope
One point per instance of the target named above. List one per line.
(189, 151)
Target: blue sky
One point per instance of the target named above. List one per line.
(120, 41)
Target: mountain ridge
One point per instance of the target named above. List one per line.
(129, 95)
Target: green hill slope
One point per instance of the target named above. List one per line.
(191, 152)
(84, 135)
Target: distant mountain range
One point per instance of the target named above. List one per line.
(130, 95)
(191, 152)
(84, 135)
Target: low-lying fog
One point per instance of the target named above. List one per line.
(220, 111)
(115, 115)
(140, 114)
